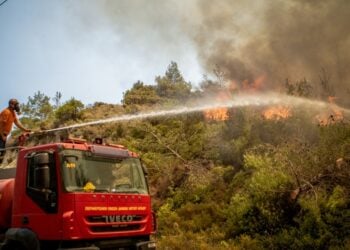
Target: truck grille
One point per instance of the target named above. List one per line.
(115, 228)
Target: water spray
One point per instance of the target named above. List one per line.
(243, 100)
(237, 101)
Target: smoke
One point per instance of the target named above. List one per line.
(278, 39)
(244, 39)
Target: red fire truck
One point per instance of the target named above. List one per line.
(75, 195)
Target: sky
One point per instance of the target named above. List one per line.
(79, 49)
(96, 50)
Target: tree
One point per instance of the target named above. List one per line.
(71, 110)
(38, 107)
(57, 99)
(140, 94)
(173, 85)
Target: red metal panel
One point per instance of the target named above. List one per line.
(113, 215)
(6, 196)
(28, 214)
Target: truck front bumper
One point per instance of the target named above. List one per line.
(148, 245)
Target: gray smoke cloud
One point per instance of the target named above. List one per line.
(245, 39)
(279, 39)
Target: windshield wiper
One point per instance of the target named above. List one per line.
(102, 190)
(81, 189)
(128, 191)
(76, 189)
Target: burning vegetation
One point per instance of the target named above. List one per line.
(218, 114)
(331, 116)
(277, 113)
(266, 178)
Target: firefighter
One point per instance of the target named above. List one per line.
(7, 118)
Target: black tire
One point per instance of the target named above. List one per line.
(13, 245)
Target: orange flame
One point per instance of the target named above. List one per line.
(256, 85)
(230, 88)
(218, 114)
(333, 116)
(277, 113)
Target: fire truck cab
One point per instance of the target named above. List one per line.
(76, 195)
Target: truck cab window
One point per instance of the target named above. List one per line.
(103, 174)
(41, 180)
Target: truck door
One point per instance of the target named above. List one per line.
(38, 208)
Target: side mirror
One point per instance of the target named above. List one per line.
(145, 170)
(42, 170)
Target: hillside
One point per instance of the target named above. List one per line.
(247, 177)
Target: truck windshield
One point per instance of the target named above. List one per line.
(82, 172)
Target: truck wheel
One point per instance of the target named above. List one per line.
(20, 239)
(13, 245)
